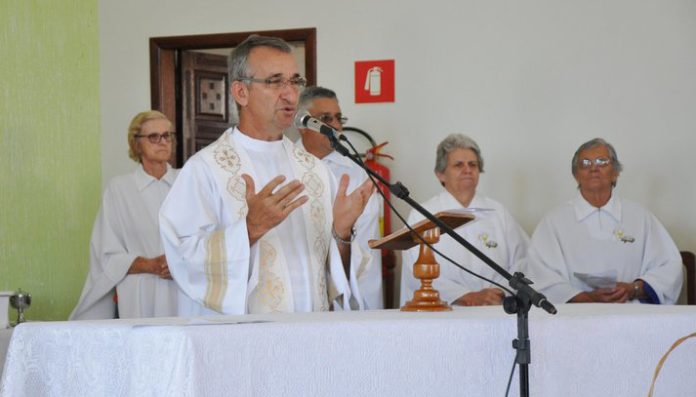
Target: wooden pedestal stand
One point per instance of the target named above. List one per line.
(426, 268)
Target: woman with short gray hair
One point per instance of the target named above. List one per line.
(600, 247)
(495, 232)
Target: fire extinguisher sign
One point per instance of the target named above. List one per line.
(374, 81)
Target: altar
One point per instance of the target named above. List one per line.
(584, 350)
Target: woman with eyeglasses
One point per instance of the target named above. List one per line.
(128, 275)
(600, 247)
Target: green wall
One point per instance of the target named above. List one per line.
(50, 176)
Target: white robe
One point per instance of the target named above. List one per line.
(126, 227)
(495, 233)
(622, 235)
(366, 229)
(203, 226)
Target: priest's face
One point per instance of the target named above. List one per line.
(328, 111)
(462, 173)
(267, 109)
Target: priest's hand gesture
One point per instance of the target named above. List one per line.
(348, 207)
(267, 208)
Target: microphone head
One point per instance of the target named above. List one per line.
(301, 119)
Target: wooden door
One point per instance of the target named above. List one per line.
(205, 100)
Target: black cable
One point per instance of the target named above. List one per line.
(360, 132)
(512, 373)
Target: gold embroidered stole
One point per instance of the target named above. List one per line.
(269, 287)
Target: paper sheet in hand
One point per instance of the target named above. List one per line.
(605, 279)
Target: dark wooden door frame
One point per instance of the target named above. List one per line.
(163, 63)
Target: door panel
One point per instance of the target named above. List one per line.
(205, 100)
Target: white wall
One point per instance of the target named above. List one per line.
(529, 80)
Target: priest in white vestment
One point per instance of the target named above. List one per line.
(494, 231)
(600, 247)
(253, 223)
(322, 104)
(128, 269)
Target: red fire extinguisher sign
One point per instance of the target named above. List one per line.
(374, 81)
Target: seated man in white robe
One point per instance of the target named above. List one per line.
(494, 231)
(322, 104)
(599, 247)
(255, 224)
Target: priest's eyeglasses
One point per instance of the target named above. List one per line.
(157, 138)
(328, 118)
(598, 162)
(277, 82)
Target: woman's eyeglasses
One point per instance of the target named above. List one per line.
(598, 162)
(157, 138)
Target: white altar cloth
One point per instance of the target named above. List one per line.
(5, 335)
(585, 350)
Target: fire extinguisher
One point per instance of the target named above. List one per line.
(371, 156)
(388, 258)
(373, 81)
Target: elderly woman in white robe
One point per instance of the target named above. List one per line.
(128, 275)
(600, 247)
(494, 232)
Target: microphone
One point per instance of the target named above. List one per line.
(519, 282)
(305, 120)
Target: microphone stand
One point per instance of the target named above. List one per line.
(520, 303)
